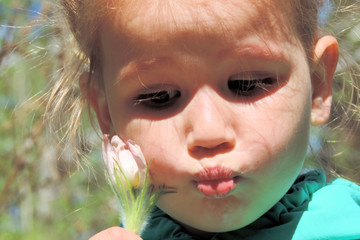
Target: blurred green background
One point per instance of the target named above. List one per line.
(42, 193)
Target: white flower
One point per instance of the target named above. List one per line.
(124, 159)
(128, 179)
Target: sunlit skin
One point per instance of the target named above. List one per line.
(190, 54)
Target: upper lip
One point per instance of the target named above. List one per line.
(214, 173)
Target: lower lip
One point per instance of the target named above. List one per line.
(218, 188)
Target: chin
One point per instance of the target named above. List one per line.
(207, 230)
(215, 225)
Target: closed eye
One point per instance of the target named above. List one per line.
(251, 87)
(158, 100)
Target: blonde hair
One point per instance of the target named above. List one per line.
(81, 22)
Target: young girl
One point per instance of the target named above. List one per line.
(221, 96)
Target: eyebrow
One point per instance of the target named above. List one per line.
(145, 64)
(245, 51)
(254, 51)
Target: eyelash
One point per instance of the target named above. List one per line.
(160, 99)
(240, 88)
(251, 88)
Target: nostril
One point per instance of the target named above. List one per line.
(200, 152)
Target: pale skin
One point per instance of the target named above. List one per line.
(259, 135)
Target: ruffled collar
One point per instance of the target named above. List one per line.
(279, 222)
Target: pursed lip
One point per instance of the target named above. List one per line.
(214, 173)
(216, 182)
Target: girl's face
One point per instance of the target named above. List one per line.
(218, 95)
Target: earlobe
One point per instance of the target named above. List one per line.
(95, 96)
(326, 54)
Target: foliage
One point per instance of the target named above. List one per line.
(42, 194)
(341, 137)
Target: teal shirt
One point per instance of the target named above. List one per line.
(311, 209)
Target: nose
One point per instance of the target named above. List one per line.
(209, 125)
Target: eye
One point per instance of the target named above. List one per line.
(251, 87)
(159, 99)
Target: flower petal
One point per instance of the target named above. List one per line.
(117, 143)
(109, 156)
(127, 164)
(139, 159)
(137, 153)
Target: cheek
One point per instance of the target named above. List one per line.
(162, 145)
(280, 130)
(291, 147)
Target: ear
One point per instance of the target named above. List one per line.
(326, 54)
(95, 96)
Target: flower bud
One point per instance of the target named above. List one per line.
(124, 159)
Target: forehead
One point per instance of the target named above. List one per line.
(148, 28)
(158, 20)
